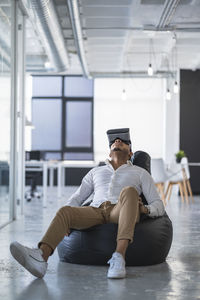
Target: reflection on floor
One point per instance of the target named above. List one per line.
(177, 278)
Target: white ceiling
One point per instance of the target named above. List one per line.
(120, 37)
(118, 33)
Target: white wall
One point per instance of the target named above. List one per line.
(172, 130)
(146, 112)
(153, 121)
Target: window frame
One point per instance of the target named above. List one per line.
(64, 99)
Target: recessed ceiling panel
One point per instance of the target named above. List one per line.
(106, 33)
(112, 12)
(102, 22)
(105, 42)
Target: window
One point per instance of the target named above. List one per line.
(78, 87)
(46, 117)
(62, 114)
(44, 86)
(78, 126)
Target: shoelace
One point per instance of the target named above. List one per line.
(36, 254)
(114, 262)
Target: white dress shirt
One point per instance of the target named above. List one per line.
(106, 183)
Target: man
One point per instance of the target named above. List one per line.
(116, 188)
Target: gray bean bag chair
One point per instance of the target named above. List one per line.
(95, 245)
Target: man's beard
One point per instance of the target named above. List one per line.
(116, 149)
(122, 151)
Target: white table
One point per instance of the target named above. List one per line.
(70, 164)
(194, 164)
(39, 166)
(43, 166)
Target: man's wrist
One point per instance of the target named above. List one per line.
(147, 210)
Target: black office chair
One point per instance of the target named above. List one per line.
(33, 177)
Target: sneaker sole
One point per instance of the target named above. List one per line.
(116, 276)
(20, 255)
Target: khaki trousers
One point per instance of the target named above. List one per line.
(125, 213)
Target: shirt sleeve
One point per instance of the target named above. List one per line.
(149, 190)
(83, 192)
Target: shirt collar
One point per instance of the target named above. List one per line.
(107, 161)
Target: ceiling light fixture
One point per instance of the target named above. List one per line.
(151, 52)
(47, 64)
(123, 95)
(168, 94)
(150, 70)
(174, 64)
(176, 87)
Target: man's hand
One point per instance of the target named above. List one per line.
(67, 234)
(143, 209)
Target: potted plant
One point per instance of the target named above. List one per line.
(179, 155)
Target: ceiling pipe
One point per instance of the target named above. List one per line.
(168, 12)
(78, 37)
(159, 74)
(5, 53)
(43, 15)
(149, 29)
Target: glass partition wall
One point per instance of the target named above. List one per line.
(12, 21)
(5, 109)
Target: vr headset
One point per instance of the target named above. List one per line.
(121, 133)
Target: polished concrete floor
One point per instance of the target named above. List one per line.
(177, 278)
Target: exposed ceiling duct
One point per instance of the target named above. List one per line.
(169, 9)
(112, 38)
(76, 26)
(5, 54)
(43, 15)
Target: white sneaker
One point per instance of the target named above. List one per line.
(30, 259)
(117, 266)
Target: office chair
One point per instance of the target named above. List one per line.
(180, 176)
(33, 176)
(160, 176)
